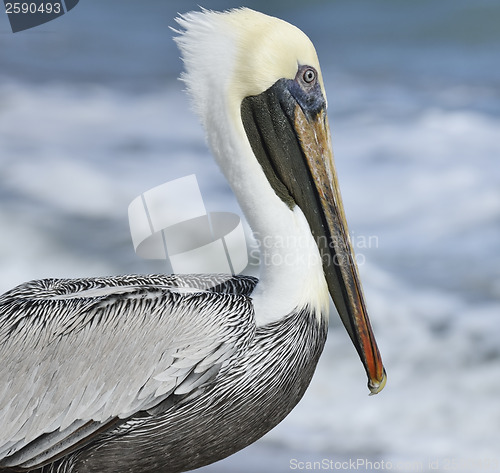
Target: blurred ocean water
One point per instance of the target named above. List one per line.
(91, 115)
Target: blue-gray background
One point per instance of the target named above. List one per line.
(91, 115)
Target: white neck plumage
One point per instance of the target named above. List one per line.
(291, 272)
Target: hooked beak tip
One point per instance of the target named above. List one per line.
(375, 385)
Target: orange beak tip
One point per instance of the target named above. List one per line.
(375, 386)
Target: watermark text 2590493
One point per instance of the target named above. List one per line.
(30, 13)
(31, 8)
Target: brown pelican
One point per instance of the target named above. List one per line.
(170, 373)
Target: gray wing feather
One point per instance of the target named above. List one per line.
(77, 352)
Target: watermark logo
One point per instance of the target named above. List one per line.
(30, 13)
(170, 222)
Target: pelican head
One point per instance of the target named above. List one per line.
(263, 104)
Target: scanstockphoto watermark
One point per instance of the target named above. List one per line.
(271, 250)
(355, 464)
(429, 464)
(193, 240)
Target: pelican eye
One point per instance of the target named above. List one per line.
(306, 91)
(309, 75)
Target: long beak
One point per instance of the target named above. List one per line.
(333, 240)
(294, 148)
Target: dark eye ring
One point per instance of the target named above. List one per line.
(309, 75)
